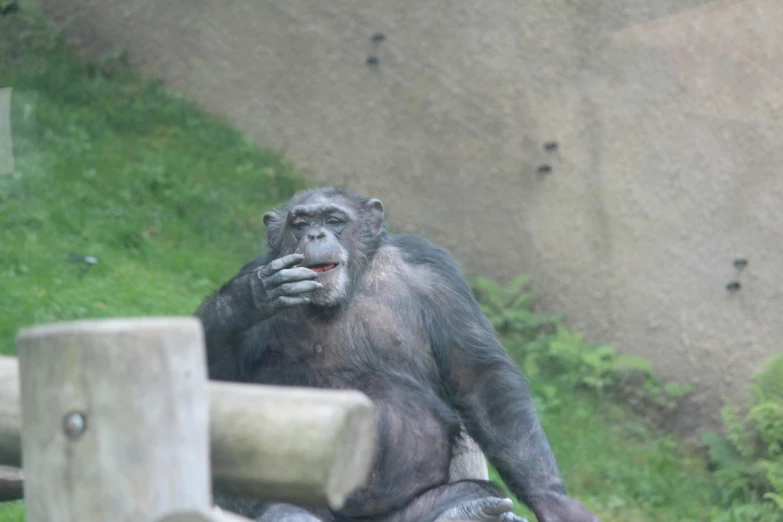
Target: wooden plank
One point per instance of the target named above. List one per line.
(11, 484)
(115, 419)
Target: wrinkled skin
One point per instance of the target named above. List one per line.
(337, 302)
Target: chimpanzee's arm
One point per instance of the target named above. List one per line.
(493, 400)
(225, 316)
(490, 392)
(263, 287)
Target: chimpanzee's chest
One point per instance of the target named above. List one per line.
(383, 351)
(361, 344)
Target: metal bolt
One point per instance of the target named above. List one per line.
(74, 425)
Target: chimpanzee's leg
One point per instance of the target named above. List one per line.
(467, 459)
(465, 501)
(271, 512)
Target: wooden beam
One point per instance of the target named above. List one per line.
(10, 413)
(300, 445)
(11, 484)
(115, 419)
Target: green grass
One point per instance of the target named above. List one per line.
(170, 201)
(622, 469)
(12, 512)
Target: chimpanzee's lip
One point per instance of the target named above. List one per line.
(322, 267)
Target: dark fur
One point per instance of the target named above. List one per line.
(412, 337)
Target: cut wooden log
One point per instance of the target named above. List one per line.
(300, 445)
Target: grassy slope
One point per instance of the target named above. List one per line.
(169, 201)
(166, 198)
(623, 470)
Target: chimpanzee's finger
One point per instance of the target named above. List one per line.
(281, 263)
(290, 275)
(298, 287)
(288, 302)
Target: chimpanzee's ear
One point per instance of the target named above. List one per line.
(374, 209)
(273, 225)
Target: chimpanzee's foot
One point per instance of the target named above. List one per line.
(463, 501)
(488, 509)
(287, 513)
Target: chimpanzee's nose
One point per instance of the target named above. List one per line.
(318, 234)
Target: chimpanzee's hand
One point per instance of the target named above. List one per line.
(281, 284)
(564, 509)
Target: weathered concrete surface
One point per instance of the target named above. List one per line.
(667, 113)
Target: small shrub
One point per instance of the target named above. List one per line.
(748, 462)
(545, 348)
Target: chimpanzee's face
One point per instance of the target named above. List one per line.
(322, 232)
(336, 235)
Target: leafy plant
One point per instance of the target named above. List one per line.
(571, 379)
(545, 347)
(748, 461)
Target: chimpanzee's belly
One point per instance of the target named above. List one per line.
(415, 428)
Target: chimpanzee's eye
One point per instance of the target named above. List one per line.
(334, 221)
(300, 225)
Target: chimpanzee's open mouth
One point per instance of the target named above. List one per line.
(325, 267)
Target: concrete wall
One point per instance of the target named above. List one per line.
(667, 114)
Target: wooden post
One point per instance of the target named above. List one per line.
(115, 421)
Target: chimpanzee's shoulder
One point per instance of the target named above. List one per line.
(418, 251)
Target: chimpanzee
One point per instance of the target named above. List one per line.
(338, 302)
